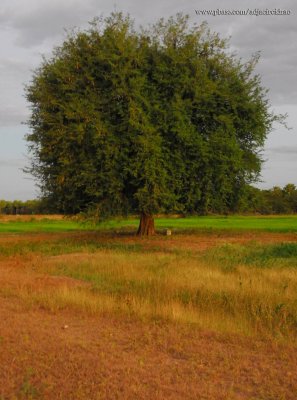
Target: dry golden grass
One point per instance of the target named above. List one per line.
(28, 218)
(251, 301)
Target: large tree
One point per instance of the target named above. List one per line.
(156, 120)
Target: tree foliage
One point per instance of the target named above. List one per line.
(157, 120)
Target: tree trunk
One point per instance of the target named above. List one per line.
(146, 225)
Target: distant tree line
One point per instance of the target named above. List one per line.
(255, 201)
(270, 201)
(18, 207)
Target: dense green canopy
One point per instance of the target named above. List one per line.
(156, 120)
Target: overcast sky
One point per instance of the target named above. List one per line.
(31, 28)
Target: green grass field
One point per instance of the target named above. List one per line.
(286, 223)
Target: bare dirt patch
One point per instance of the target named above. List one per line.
(66, 356)
(200, 241)
(194, 242)
(14, 238)
(16, 274)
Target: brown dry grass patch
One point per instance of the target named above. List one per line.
(108, 358)
(53, 353)
(27, 218)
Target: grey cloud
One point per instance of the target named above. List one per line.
(11, 116)
(43, 20)
(279, 76)
(283, 150)
(283, 157)
(46, 20)
(18, 162)
(14, 67)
